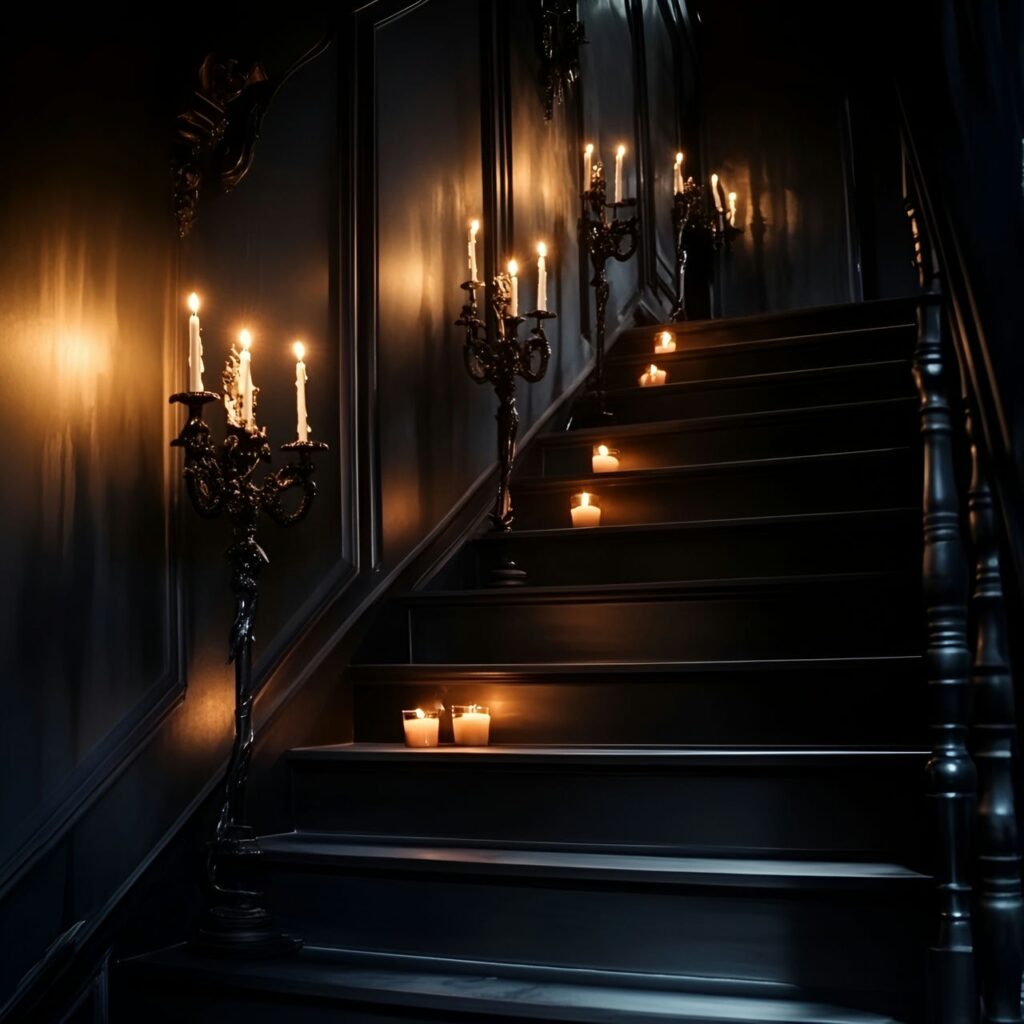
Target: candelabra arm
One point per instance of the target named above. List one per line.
(536, 346)
(294, 476)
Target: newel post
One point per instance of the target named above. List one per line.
(951, 779)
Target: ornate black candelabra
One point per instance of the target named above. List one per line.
(498, 357)
(219, 479)
(604, 239)
(691, 233)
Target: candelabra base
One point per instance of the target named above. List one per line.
(506, 574)
(242, 932)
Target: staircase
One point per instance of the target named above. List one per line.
(704, 798)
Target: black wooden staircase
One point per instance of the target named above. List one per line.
(705, 796)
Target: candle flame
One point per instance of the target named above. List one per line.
(542, 249)
(621, 151)
(665, 337)
(652, 369)
(584, 499)
(714, 181)
(245, 338)
(679, 159)
(589, 149)
(300, 350)
(420, 713)
(513, 267)
(474, 227)
(602, 449)
(193, 302)
(732, 197)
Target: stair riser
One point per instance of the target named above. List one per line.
(844, 428)
(781, 625)
(845, 809)
(838, 350)
(606, 557)
(784, 707)
(729, 330)
(869, 944)
(668, 403)
(883, 480)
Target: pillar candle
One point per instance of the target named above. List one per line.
(677, 175)
(245, 380)
(619, 154)
(652, 377)
(195, 346)
(474, 227)
(588, 154)
(542, 277)
(664, 343)
(300, 392)
(471, 725)
(732, 209)
(602, 461)
(513, 272)
(714, 192)
(585, 512)
(422, 728)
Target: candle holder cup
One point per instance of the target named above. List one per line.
(604, 238)
(219, 480)
(497, 356)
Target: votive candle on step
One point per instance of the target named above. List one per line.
(652, 377)
(664, 342)
(585, 511)
(471, 724)
(422, 728)
(604, 459)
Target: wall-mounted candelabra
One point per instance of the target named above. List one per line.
(498, 356)
(219, 479)
(606, 234)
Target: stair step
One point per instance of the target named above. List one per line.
(877, 540)
(770, 434)
(810, 616)
(693, 360)
(846, 802)
(735, 702)
(319, 982)
(760, 391)
(774, 327)
(831, 482)
(835, 926)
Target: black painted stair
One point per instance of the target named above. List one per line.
(703, 799)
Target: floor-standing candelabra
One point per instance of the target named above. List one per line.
(499, 357)
(691, 235)
(219, 478)
(604, 238)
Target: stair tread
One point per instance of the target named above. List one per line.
(494, 990)
(625, 754)
(626, 476)
(779, 341)
(727, 523)
(314, 847)
(580, 434)
(592, 592)
(770, 377)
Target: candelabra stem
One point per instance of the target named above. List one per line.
(508, 430)
(601, 291)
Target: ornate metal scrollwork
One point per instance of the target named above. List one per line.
(562, 33)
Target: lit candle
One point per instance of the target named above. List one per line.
(588, 155)
(652, 377)
(300, 392)
(664, 343)
(474, 227)
(513, 271)
(542, 277)
(585, 511)
(471, 724)
(245, 380)
(421, 727)
(195, 347)
(619, 154)
(603, 461)
(732, 208)
(677, 175)
(714, 192)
